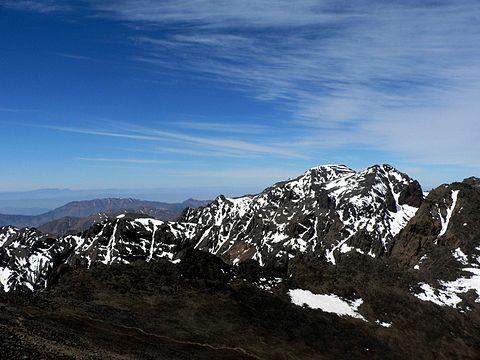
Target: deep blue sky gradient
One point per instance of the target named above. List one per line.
(193, 94)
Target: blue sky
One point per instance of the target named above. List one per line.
(240, 94)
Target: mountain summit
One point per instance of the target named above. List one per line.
(329, 210)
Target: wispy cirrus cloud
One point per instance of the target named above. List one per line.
(226, 127)
(14, 110)
(124, 160)
(44, 6)
(221, 14)
(347, 71)
(191, 152)
(76, 57)
(396, 76)
(269, 174)
(203, 145)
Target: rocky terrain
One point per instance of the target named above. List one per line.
(336, 263)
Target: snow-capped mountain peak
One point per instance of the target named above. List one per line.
(329, 210)
(321, 211)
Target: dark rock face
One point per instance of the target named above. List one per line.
(27, 257)
(412, 195)
(71, 225)
(472, 181)
(203, 308)
(448, 218)
(442, 244)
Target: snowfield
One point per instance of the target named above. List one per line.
(329, 303)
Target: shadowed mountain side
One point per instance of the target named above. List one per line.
(203, 308)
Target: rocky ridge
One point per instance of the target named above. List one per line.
(329, 212)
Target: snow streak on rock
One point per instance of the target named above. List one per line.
(445, 221)
(447, 294)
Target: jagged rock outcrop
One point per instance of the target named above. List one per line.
(473, 181)
(329, 210)
(442, 243)
(448, 218)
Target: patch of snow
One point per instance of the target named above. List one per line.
(152, 244)
(345, 249)
(4, 276)
(460, 256)
(448, 294)
(329, 303)
(422, 259)
(148, 221)
(268, 284)
(29, 286)
(438, 296)
(384, 324)
(446, 221)
(240, 205)
(400, 218)
(110, 246)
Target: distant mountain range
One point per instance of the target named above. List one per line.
(37, 202)
(79, 215)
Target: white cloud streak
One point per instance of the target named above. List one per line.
(192, 152)
(349, 72)
(126, 160)
(44, 6)
(76, 57)
(265, 174)
(397, 76)
(14, 110)
(227, 127)
(220, 13)
(218, 145)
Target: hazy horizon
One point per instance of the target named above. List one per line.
(38, 201)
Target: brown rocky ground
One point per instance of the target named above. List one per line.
(204, 309)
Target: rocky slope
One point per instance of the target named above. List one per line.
(202, 308)
(442, 243)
